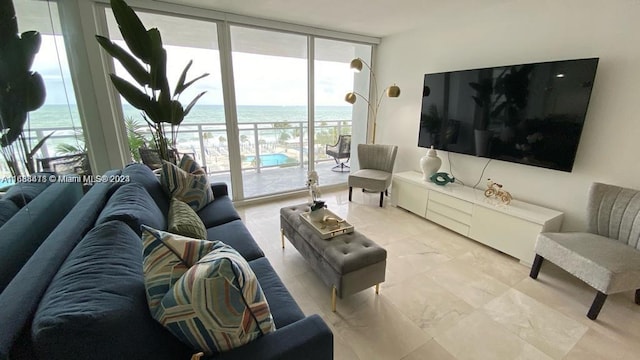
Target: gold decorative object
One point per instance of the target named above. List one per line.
(392, 91)
(495, 190)
(331, 222)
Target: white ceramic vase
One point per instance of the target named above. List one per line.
(430, 164)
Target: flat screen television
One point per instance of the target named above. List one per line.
(530, 113)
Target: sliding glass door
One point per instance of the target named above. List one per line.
(270, 72)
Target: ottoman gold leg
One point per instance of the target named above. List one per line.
(282, 236)
(377, 288)
(334, 294)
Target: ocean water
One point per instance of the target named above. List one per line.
(55, 116)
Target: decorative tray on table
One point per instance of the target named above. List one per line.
(328, 224)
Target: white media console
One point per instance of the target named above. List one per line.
(511, 229)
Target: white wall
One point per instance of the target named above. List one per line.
(521, 32)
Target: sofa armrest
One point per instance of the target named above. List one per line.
(219, 189)
(309, 338)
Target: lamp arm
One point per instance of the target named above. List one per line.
(373, 75)
(371, 108)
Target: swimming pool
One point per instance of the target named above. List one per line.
(271, 159)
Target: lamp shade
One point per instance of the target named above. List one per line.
(356, 65)
(393, 91)
(350, 98)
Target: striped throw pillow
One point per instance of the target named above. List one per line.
(166, 258)
(191, 166)
(192, 189)
(184, 221)
(213, 304)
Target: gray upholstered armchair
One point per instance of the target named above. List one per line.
(376, 167)
(607, 257)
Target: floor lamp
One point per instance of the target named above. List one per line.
(392, 91)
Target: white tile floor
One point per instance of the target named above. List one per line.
(448, 297)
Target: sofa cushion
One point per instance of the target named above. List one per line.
(7, 209)
(143, 175)
(23, 192)
(25, 231)
(283, 307)
(193, 189)
(95, 306)
(217, 304)
(132, 204)
(236, 235)
(218, 212)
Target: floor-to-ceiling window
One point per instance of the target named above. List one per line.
(203, 133)
(58, 117)
(275, 85)
(333, 79)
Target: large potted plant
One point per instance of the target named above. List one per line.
(21, 91)
(147, 64)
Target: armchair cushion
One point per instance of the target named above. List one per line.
(607, 265)
(374, 180)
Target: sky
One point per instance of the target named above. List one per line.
(259, 79)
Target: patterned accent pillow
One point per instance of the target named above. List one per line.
(194, 190)
(191, 166)
(210, 301)
(163, 266)
(184, 221)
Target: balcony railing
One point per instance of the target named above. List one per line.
(262, 144)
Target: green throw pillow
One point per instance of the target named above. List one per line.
(193, 189)
(203, 292)
(184, 221)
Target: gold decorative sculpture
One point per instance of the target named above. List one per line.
(331, 222)
(495, 190)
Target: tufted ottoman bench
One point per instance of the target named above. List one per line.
(347, 263)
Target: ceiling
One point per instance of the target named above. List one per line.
(378, 18)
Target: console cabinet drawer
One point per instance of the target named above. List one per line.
(452, 202)
(448, 222)
(452, 213)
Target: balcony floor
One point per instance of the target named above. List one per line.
(278, 180)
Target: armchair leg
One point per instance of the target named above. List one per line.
(381, 197)
(350, 192)
(535, 268)
(638, 296)
(596, 306)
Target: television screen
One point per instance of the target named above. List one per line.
(530, 113)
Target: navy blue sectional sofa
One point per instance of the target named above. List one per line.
(28, 214)
(81, 295)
